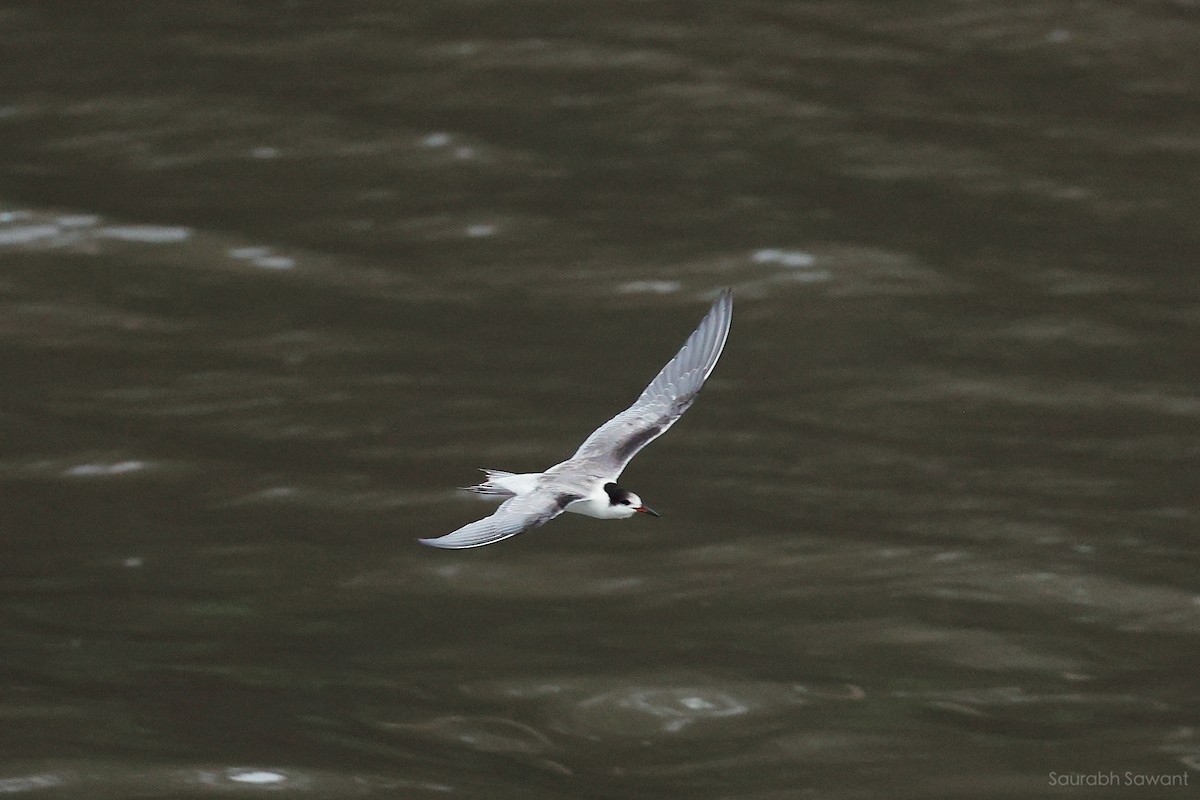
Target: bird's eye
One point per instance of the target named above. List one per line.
(624, 502)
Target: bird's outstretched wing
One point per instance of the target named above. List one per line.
(672, 392)
(515, 515)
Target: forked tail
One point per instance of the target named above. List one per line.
(490, 486)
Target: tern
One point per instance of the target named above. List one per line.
(586, 483)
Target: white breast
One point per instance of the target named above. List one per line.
(598, 507)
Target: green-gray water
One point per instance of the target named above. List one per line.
(275, 277)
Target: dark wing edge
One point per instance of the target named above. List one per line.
(671, 393)
(515, 515)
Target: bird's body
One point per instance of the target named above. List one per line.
(597, 504)
(586, 482)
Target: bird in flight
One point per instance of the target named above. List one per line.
(586, 483)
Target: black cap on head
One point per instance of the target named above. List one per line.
(615, 493)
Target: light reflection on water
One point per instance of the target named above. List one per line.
(930, 526)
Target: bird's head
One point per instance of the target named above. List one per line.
(624, 503)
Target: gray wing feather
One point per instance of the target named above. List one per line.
(672, 392)
(515, 515)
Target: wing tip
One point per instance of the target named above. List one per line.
(723, 305)
(432, 542)
(723, 310)
(437, 543)
(723, 298)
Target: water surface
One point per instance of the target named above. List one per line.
(276, 277)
